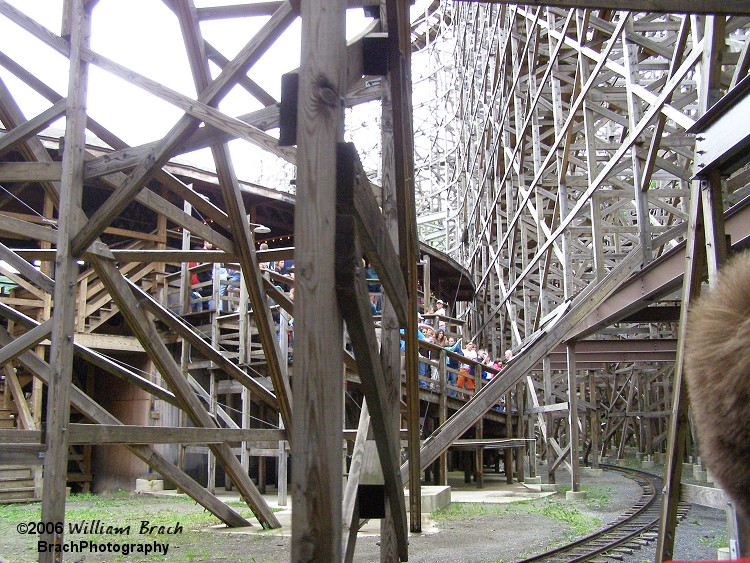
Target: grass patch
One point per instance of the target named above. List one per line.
(579, 524)
(716, 541)
(597, 496)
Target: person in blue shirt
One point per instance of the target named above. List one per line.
(451, 377)
(424, 369)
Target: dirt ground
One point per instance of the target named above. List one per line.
(492, 530)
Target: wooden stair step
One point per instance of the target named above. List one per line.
(22, 494)
(9, 472)
(80, 477)
(13, 484)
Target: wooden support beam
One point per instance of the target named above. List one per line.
(390, 339)
(350, 512)
(316, 448)
(17, 227)
(26, 270)
(66, 274)
(30, 171)
(25, 341)
(31, 127)
(371, 227)
(354, 302)
(575, 477)
(89, 434)
(399, 52)
(695, 263)
(24, 413)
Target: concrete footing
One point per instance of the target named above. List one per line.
(550, 487)
(591, 471)
(723, 554)
(149, 485)
(433, 497)
(575, 495)
(647, 464)
(533, 480)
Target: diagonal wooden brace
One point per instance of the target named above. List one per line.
(354, 302)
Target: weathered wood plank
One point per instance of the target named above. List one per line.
(399, 51)
(17, 227)
(21, 454)
(316, 448)
(20, 436)
(26, 270)
(30, 171)
(704, 496)
(25, 341)
(66, 273)
(373, 235)
(84, 434)
(31, 127)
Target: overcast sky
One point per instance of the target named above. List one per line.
(144, 36)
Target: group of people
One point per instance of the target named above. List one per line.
(229, 282)
(460, 374)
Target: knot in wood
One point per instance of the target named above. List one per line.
(326, 93)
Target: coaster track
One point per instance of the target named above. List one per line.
(631, 531)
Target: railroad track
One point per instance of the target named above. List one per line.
(632, 531)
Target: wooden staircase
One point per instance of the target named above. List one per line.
(16, 481)
(99, 307)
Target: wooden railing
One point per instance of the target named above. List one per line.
(436, 359)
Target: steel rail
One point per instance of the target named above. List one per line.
(629, 532)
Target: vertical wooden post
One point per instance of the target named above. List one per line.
(390, 349)
(443, 415)
(547, 375)
(318, 419)
(508, 452)
(595, 425)
(426, 281)
(66, 272)
(695, 260)
(399, 40)
(520, 407)
(37, 387)
(282, 468)
(185, 290)
(575, 483)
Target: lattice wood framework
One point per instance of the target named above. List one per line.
(189, 366)
(555, 163)
(573, 155)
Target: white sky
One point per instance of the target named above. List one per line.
(144, 36)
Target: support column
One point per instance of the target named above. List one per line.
(318, 419)
(575, 478)
(695, 260)
(66, 273)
